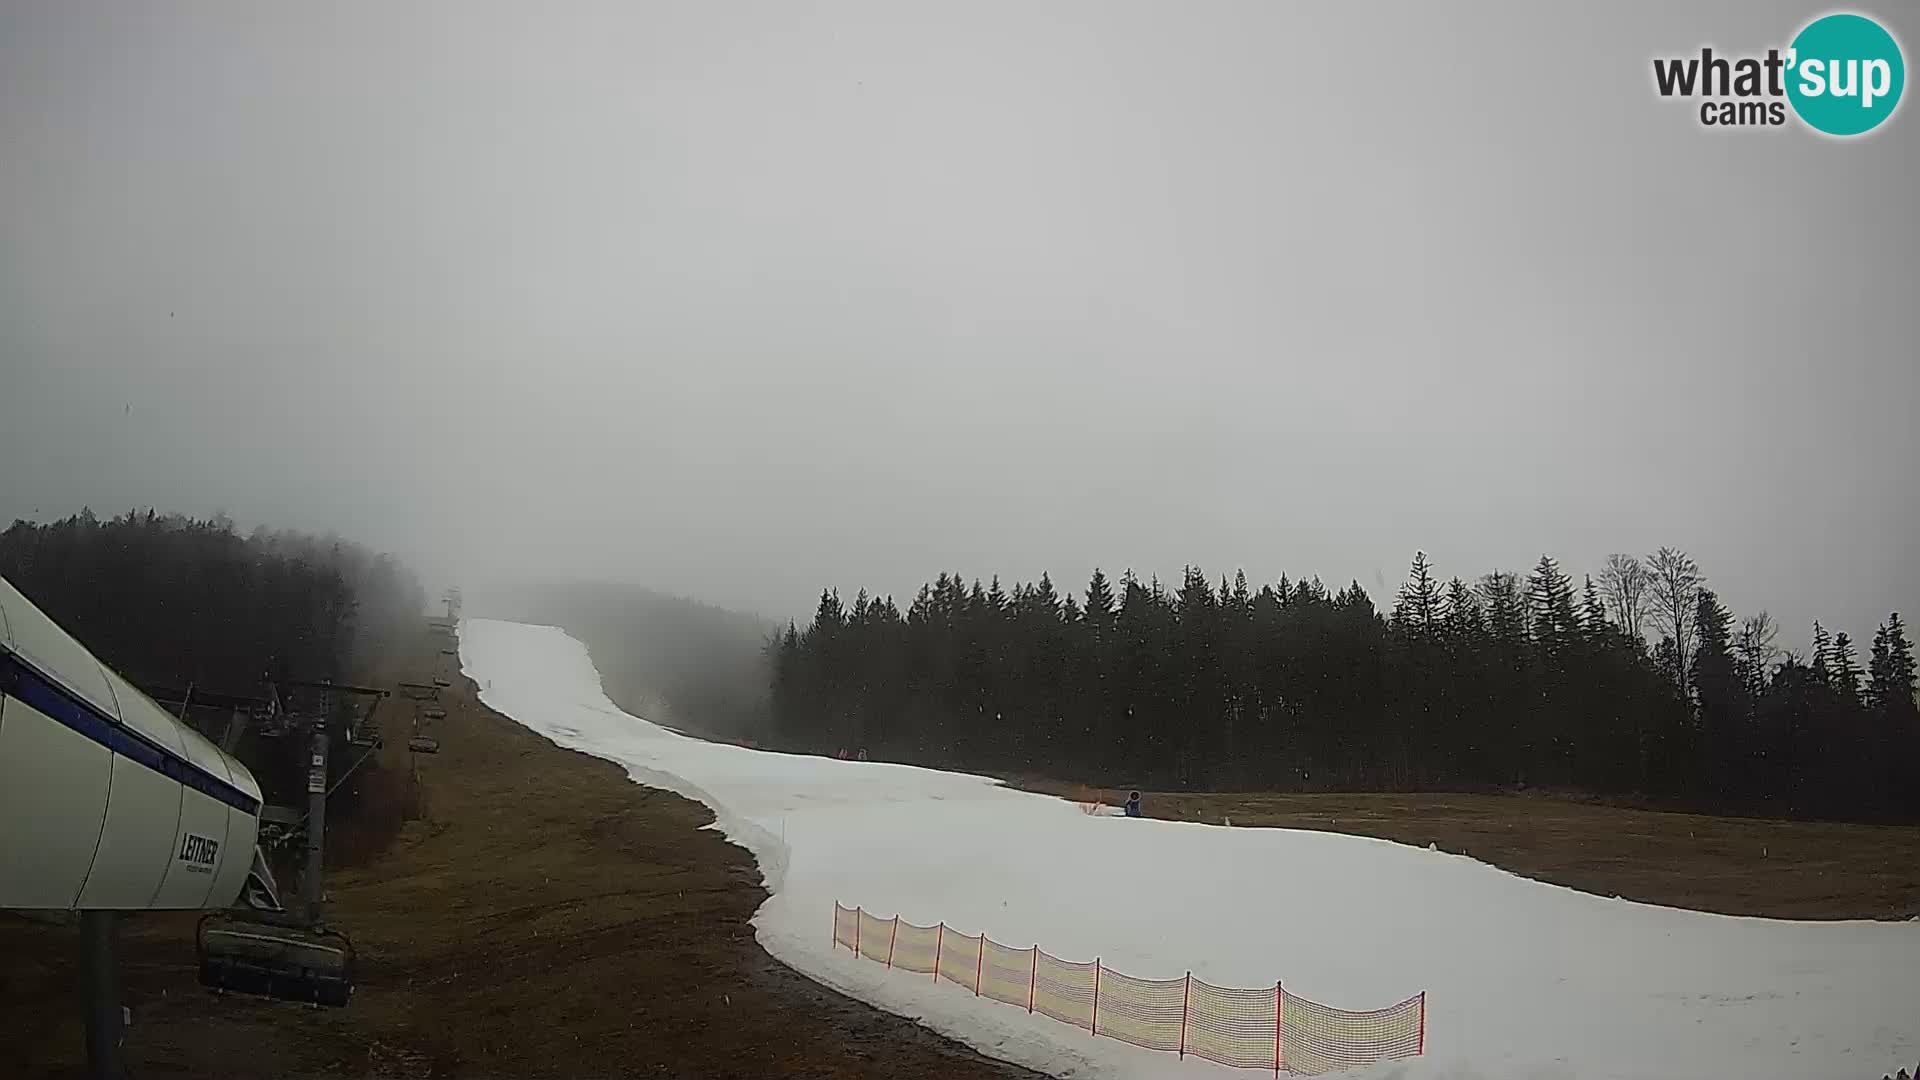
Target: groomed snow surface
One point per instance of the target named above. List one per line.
(1523, 979)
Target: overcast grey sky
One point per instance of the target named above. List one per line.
(740, 300)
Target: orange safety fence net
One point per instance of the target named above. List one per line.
(1064, 991)
(1250, 1029)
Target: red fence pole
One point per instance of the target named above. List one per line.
(856, 931)
(1186, 995)
(978, 960)
(1033, 973)
(1422, 1048)
(938, 940)
(1279, 1024)
(836, 924)
(1096, 996)
(891, 938)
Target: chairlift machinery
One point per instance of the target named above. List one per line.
(135, 810)
(264, 949)
(268, 950)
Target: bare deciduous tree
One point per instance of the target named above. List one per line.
(1757, 650)
(1623, 584)
(1673, 582)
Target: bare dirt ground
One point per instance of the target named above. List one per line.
(1735, 866)
(541, 917)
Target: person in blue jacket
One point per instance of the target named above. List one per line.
(1133, 804)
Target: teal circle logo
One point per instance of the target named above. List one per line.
(1845, 74)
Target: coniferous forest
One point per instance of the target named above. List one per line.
(1639, 684)
(175, 601)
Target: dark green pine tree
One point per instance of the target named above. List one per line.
(1879, 670)
(1593, 612)
(1099, 606)
(1417, 608)
(1890, 674)
(1903, 717)
(1462, 619)
(1890, 695)
(1505, 609)
(1843, 669)
(1550, 597)
(830, 616)
(1719, 697)
(1666, 659)
(1044, 599)
(1901, 672)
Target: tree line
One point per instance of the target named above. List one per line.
(173, 601)
(1511, 681)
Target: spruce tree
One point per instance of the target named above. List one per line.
(1819, 665)
(1099, 606)
(1719, 697)
(1417, 608)
(1550, 596)
(1900, 649)
(1593, 613)
(1505, 610)
(1844, 669)
(1045, 600)
(1879, 670)
(1240, 600)
(1462, 617)
(1890, 674)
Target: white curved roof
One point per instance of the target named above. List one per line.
(50, 653)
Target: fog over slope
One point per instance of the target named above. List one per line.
(677, 662)
(754, 298)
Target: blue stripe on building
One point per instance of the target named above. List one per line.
(34, 688)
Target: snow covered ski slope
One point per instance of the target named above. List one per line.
(1523, 979)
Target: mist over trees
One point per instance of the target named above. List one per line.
(671, 660)
(1512, 680)
(169, 600)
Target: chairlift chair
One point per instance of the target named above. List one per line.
(422, 744)
(259, 949)
(292, 963)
